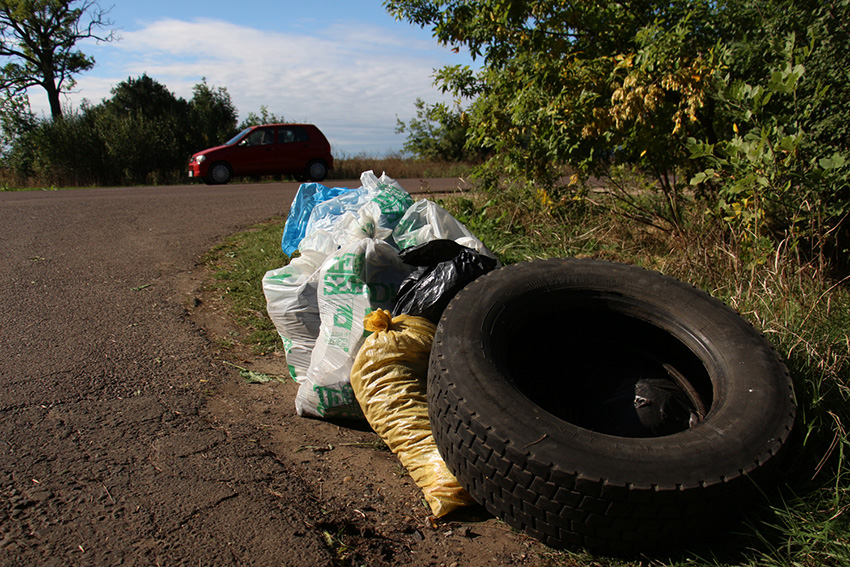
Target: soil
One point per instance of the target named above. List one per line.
(128, 435)
(370, 510)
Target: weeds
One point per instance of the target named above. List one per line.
(804, 313)
(238, 265)
(350, 167)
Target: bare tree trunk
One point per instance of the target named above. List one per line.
(52, 89)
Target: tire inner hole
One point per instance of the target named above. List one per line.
(603, 370)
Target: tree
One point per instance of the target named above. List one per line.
(16, 118)
(746, 99)
(147, 130)
(39, 38)
(438, 132)
(543, 95)
(144, 96)
(264, 117)
(213, 115)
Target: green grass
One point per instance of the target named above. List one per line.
(6, 187)
(238, 265)
(804, 313)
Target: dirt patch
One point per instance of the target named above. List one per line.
(366, 508)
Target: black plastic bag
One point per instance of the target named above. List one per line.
(443, 267)
(648, 407)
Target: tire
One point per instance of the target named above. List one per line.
(527, 372)
(218, 174)
(317, 170)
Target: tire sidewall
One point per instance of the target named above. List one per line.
(216, 179)
(753, 399)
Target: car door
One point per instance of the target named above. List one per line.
(257, 152)
(295, 149)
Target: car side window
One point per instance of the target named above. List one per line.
(260, 137)
(300, 134)
(292, 134)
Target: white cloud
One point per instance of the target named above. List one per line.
(352, 81)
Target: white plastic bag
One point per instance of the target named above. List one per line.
(356, 279)
(378, 205)
(390, 197)
(425, 221)
(293, 306)
(325, 215)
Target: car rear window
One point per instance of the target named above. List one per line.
(292, 134)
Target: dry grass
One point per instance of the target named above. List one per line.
(804, 312)
(399, 167)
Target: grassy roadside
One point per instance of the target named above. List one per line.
(804, 313)
(238, 264)
(345, 167)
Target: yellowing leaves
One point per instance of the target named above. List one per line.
(646, 88)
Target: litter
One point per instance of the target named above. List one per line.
(353, 281)
(292, 304)
(389, 382)
(347, 269)
(425, 221)
(309, 195)
(346, 264)
(443, 268)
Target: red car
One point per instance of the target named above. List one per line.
(300, 150)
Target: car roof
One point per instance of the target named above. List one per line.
(281, 124)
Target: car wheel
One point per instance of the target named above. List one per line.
(218, 174)
(317, 170)
(539, 404)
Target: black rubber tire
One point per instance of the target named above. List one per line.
(317, 170)
(218, 174)
(512, 368)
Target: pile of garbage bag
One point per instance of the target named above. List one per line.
(372, 254)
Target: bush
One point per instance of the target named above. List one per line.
(143, 134)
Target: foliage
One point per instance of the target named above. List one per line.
(769, 184)
(212, 115)
(759, 34)
(438, 133)
(143, 96)
(142, 134)
(576, 86)
(264, 117)
(546, 76)
(15, 117)
(145, 129)
(39, 39)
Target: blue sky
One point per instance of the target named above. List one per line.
(344, 65)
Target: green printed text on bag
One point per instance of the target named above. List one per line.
(337, 401)
(342, 277)
(392, 201)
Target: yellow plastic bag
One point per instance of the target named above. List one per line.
(389, 382)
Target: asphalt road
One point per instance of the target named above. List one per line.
(107, 455)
